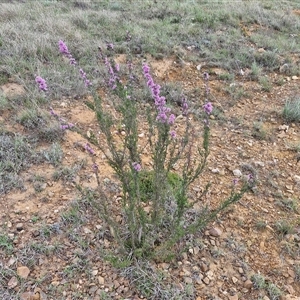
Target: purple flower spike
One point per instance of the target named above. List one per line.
(206, 76)
(173, 134)
(208, 108)
(137, 167)
(42, 83)
(63, 48)
(88, 148)
(110, 46)
(185, 106)
(171, 119)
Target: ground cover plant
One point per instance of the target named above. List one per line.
(73, 226)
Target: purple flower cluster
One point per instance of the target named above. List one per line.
(83, 76)
(88, 148)
(63, 49)
(63, 125)
(110, 46)
(113, 69)
(66, 126)
(208, 108)
(163, 115)
(42, 83)
(184, 106)
(136, 166)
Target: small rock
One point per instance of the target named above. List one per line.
(215, 231)
(19, 226)
(234, 297)
(11, 261)
(35, 233)
(261, 50)
(23, 272)
(101, 280)
(297, 178)
(13, 282)
(204, 267)
(27, 296)
(237, 173)
(188, 280)
(234, 279)
(295, 77)
(206, 280)
(248, 284)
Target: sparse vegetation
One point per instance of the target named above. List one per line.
(291, 110)
(250, 52)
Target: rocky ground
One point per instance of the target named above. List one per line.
(59, 244)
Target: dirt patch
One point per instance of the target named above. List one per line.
(12, 90)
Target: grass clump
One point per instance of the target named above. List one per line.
(16, 154)
(291, 110)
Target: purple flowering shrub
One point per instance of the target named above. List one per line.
(151, 224)
(161, 218)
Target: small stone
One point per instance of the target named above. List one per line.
(27, 296)
(141, 135)
(188, 280)
(206, 280)
(13, 282)
(203, 267)
(234, 297)
(19, 226)
(94, 272)
(248, 284)
(101, 280)
(295, 77)
(237, 173)
(215, 231)
(261, 50)
(36, 296)
(23, 272)
(11, 261)
(35, 233)
(234, 279)
(196, 250)
(292, 273)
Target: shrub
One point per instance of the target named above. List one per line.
(291, 110)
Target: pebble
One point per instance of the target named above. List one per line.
(234, 297)
(23, 272)
(19, 226)
(237, 173)
(206, 280)
(13, 282)
(234, 279)
(248, 284)
(215, 231)
(101, 280)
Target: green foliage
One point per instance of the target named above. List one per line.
(54, 154)
(291, 110)
(6, 243)
(259, 281)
